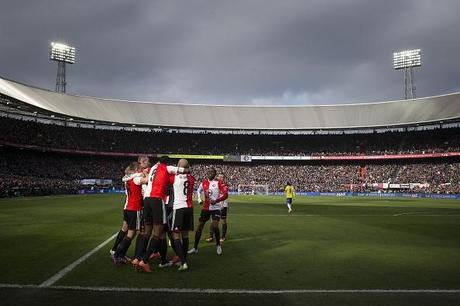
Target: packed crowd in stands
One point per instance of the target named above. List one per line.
(73, 138)
(17, 185)
(36, 173)
(442, 177)
(24, 172)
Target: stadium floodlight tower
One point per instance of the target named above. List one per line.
(407, 60)
(62, 54)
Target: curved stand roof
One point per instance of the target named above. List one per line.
(241, 117)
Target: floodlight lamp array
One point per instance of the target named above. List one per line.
(407, 59)
(62, 53)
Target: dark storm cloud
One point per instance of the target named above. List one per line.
(281, 52)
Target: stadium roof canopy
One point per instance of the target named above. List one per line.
(238, 117)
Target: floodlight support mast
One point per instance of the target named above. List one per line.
(407, 60)
(62, 54)
(60, 78)
(409, 83)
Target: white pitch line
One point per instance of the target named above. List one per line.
(227, 291)
(407, 213)
(53, 279)
(335, 215)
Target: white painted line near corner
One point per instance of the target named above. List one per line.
(53, 279)
(232, 291)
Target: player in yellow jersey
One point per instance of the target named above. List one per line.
(290, 192)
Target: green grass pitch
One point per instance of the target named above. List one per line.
(326, 243)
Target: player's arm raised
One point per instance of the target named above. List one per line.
(144, 179)
(138, 180)
(176, 170)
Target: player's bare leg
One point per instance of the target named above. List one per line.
(121, 234)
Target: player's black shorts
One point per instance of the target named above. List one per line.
(289, 200)
(206, 214)
(134, 219)
(154, 211)
(182, 219)
(223, 213)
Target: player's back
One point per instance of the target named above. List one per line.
(183, 185)
(133, 190)
(289, 190)
(157, 182)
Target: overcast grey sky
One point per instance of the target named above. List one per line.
(234, 52)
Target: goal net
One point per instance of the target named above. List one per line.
(252, 189)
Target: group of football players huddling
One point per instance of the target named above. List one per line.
(159, 207)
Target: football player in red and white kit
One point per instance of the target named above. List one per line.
(224, 209)
(182, 218)
(131, 210)
(214, 193)
(145, 165)
(223, 213)
(155, 212)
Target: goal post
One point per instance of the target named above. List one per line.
(253, 189)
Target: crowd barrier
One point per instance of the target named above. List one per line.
(326, 194)
(372, 195)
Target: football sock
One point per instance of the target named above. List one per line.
(289, 206)
(119, 238)
(217, 234)
(143, 243)
(163, 250)
(152, 248)
(137, 250)
(179, 249)
(211, 232)
(123, 247)
(185, 243)
(197, 237)
(224, 230)
(173, 246)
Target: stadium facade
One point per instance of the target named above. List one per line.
(67, 140)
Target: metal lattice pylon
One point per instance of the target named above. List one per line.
(409, 83)
(60, 78)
